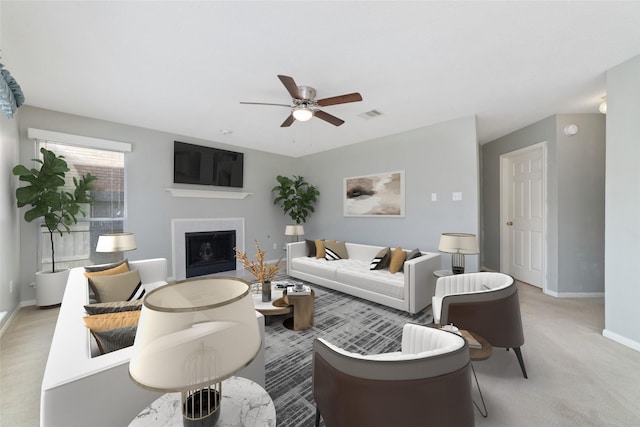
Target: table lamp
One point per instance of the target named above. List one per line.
(294, 230)
(191, 336)
(116, 242)
(458, 245)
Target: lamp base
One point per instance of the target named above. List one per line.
(201, 409)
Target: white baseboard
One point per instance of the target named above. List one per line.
(575, 294)
(621, 340)
(14, 313)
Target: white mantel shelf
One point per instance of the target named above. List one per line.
(207, 194)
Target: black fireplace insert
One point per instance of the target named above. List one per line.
(209, 252)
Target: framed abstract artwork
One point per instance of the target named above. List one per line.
(378, 195)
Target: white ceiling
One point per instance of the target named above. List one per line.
(183, 67)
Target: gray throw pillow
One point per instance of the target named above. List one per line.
(381, 259)
(414, 254)
(113, 307)
(114, 339)
(102, 267)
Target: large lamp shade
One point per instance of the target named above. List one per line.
(116, 242)
(193, 334)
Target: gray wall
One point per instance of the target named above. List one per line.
(437, 159)
(544, 130)
(150, 207)
(575, 200)
(581, 195)
(622, 252)
(9, 218)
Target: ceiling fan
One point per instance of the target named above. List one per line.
(305, 105)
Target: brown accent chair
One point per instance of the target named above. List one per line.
(485, 303)
(426, 383)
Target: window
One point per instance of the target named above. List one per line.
(107, 213)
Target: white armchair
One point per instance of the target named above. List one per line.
(429, 378)
(486, 303)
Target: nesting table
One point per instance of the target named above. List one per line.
(281, 303)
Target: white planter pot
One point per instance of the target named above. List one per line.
(50, 287)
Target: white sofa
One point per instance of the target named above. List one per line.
(80, 387)
(410, 289)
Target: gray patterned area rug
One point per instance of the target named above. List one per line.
(352, 323)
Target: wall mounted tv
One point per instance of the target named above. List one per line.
(196, 164)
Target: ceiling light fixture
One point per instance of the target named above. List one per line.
(603, 106)
(302, 113)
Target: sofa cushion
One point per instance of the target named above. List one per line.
(120, 268)
(101, 267)
(319, 248)
(381, 260)
(117, 287)
(396, 262)
(102, 322)
(357, 274)
(114, 339)
(335, 250)
(113, 307)
(311, 247)
(413, 254)
(317, 267)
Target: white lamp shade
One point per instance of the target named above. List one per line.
(184, 324)
(294, 230)
(459, 243)
(116, 242)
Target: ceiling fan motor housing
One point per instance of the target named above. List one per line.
(307, 93)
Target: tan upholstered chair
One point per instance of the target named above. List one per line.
(486, 303)
(426, 383)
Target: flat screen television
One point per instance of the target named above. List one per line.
(196, 164)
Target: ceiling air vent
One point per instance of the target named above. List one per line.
(370, 114)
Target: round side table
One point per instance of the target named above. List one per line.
(244, 403)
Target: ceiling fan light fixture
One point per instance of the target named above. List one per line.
(302, 113)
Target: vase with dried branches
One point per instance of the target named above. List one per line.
(260, 269)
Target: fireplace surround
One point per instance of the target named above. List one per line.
(180, 228)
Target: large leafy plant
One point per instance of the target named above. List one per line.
(47, 196)
(296, 197)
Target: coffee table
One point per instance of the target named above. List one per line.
(267, 308)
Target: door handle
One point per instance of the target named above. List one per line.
(510, 223)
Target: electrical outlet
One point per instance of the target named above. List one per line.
(434, 197)
(456, 196)
(10, 286)
(275, 246)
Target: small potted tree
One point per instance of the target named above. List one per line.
(49, 200)
(296, 197)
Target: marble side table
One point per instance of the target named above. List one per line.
(244, 403)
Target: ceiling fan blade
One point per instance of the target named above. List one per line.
(328, 118)
(341, 99)
(291, 86)
(288, 121)
(265, 103)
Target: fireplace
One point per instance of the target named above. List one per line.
(209, 252)
(180, 227)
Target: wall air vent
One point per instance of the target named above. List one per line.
(370, 114)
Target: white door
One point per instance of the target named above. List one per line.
(523, 214)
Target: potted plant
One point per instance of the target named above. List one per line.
(296, 197)
(262, 271)
(49, 200)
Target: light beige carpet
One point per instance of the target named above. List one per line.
(576, 376)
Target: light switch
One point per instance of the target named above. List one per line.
(434, 197)
(456, 196)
